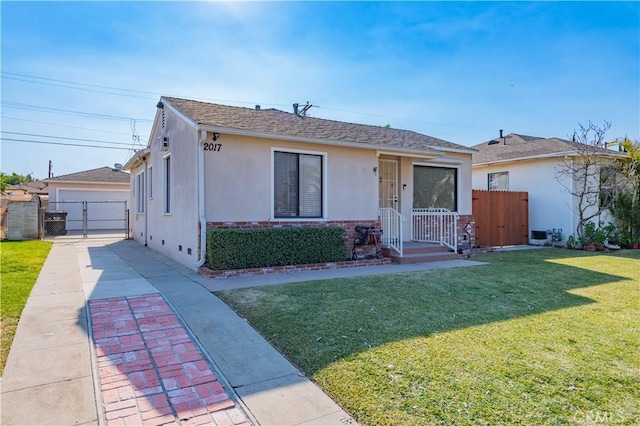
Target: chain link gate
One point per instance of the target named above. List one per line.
(86, 219)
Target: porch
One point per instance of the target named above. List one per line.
(434, 235)
(417, 252)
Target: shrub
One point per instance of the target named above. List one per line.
(265, 247)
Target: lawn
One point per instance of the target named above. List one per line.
(547, 336)
(20, 262)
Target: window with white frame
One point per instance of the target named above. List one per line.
(297, 185)
(498, 181)
(167, 184)
(140, 192)
(150, 182)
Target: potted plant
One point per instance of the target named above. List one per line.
(599, 236)
(587, 239)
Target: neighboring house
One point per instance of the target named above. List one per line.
(37, 187)
(527, 163)
(94, 199)
(211, 166)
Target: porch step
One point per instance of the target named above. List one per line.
(420, 253)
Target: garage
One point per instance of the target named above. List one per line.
(90, 202)
(103, 210)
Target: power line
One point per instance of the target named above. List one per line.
(64, 125)
(65, 138)
(115, 88)
(71, 82)
(18, 105)
(62, 143)
(30, 79)
(80, 88)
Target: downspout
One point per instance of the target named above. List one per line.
(202, 219)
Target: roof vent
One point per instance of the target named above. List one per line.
(257, 107)
(117, 167)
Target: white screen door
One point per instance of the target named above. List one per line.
(388, 184)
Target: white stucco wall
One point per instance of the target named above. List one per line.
(550, 204)
(173, 234)
(239, 180)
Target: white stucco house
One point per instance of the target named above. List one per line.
(526, 163)
(96, 199)
(210, 166)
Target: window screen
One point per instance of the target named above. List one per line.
(297, 185)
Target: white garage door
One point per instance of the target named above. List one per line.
(105, 210)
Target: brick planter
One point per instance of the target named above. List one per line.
(211, 273)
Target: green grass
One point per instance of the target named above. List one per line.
(20, 262)
(544, 336)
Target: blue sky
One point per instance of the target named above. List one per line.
(78, 73)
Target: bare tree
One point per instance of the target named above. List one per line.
(582, 173)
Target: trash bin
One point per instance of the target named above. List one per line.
(55, 222)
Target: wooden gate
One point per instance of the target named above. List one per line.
(502, 218)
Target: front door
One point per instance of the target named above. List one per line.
(388, 184)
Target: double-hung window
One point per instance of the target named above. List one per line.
(167, 184)
(150, 182)
(498, 181)
(140, 192)
(297, 185)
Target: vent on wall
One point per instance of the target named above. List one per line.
(163, 143)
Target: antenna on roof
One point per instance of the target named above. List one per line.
(301, 112)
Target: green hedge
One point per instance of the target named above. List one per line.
(265, 247)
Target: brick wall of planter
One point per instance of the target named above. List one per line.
(210, 273)
(462, 223)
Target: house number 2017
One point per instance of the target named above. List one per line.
(212, 146)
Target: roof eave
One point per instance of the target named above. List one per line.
(457, 150)
(318, 141)
(55, 182)
(136, 159)
(539, 157)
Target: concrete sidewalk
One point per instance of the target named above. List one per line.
(52, 374)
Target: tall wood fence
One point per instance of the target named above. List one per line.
(502, 217)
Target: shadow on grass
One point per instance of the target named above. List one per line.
(316, 323)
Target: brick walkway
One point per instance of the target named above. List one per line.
(151, 372)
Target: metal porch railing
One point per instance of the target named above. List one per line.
(391, 224)
(435, 226)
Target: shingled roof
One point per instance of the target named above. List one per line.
(99, 175)
(274, 123)
(519, 147)
(36, 187)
